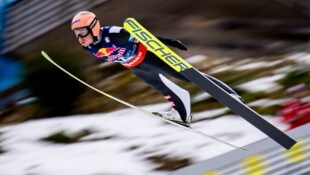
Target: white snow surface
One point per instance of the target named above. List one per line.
(196, 59)
(300, 57)
(264, 84)
(134, 137)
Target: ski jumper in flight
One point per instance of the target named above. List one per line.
(115, 44)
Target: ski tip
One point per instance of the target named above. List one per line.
(43, 53)
(129, 18)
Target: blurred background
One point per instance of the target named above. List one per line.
(260, 48)
(263, 43)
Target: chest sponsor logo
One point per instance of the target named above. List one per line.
(105, 52)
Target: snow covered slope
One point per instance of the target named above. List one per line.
(124, 142)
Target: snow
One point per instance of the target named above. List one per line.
(268, 102)
(27, 154)
(260, 64)
(301, 57)
(196, 59)
(221, 68)
(200, 97)
(264, 84)
(211, 113)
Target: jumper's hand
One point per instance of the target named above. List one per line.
(178, 44)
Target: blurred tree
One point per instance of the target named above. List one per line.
(56, 92)
(301, 75)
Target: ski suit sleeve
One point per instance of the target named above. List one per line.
(120, 38)
(172, 42)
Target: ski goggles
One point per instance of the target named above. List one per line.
(84, 31)
(81, 32)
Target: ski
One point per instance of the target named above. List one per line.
(149, 113)
(192, 74)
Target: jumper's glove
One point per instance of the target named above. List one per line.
(172, 42)
(178, 44)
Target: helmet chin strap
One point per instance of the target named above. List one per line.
(97, 39)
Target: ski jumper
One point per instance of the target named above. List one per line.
(117, 45)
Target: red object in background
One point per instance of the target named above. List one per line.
(295, 112)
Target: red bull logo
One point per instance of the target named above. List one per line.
(105, 52)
